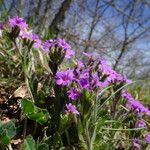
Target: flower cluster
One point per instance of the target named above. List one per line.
(46, 46)
(134, 104)
(97, 74)
(137, 144)
(139, 110)
(59, 44)
(25, 33)
(91, 76)
(17, 21)
(113, 76)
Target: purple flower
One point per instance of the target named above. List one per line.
(140, 123)
(113, 76)
(95, 80)
(25, 34)
(72, 109)
(138, 108)
(87, 79)
(102, 84)
(147, 137)
(37, 40)
(93, 55)
(80, 64)
(48, 44)
(64, 77)
(37, 43)
(136, 143)
(84, 83)
(16, 21)
(127, 95)
(73, 93)
(63, 44)
(82, 77)
(69, 53)
(134, 104)
(66, 47)
(85, 73)
(31, 36)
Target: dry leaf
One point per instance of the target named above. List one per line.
(21, 91)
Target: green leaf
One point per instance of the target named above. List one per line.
(40, 117)
(34, 86)
(28, 106)
(10, 128)
(29, 143)
(33, 112)
(43, 146)
(86, 102)
(7, 131)
(5, 139)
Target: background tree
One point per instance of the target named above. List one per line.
(118, 30)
